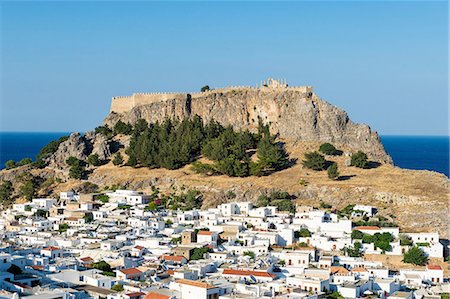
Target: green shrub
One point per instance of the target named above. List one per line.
(332, 171)
(314, 161)
(25, 161)
(197, 253)
(415, 256)
(359, 159)
(356, 234)
(251, 254)
(328, 149)
(103, 198)
(117, 287)
(94, 160)
(10, 164)
(118, 159)
(49, 149)
(122, 128)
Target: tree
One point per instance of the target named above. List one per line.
(71, 161)
(335, 295)
(94, 160)
(6, 190)
(63, 227)
(122, 128)
(28, 188)
(118, 159)
(304, 233)
(103, 198)
(104, 130)
(251, 254)
(415, 256)
(77, 169)
(332, 171)
(25, 161)
(405, 240)
(197, 253)
(354, 251)
(117, 287)
(10, 164)
(205, 88)
(328, 149)
(271, 155)
(356, 234)
(140, 126)
(151, 206)
(359, 159)
(50, 149)
(368, 238)
(102, 266)
(314, 161)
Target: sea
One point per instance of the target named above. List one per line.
(411, 152)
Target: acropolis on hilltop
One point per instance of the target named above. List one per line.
(123, 104)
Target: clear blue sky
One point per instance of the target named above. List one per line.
(385, 63)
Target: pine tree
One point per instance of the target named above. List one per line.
(332, 171)
(118, 159)
(314, 161)
(359, 159)
(415, 256)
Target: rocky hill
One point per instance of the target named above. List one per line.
(294, 113)
(303, 122)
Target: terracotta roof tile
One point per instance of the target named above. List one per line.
(130, 271)
(338, 270)
(367, 228)
(248, 273)
(197, 284)
(51, 248)
(205, 233)
(175, 258)
(434, 267)
(153, 295)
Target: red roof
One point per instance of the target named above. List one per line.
(338, 270)
(175, 258)
(153, 295)
(248, 273)
(37, 267)
(51, 248)
(205, 233)
(434, 267)
(86, 259)
(197, 284)
(367, 228)
(131, 271)
(138, 247)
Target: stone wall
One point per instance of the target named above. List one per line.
(126, 103)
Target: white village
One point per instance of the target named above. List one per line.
(124, 244)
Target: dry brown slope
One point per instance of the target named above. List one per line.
(418, 199)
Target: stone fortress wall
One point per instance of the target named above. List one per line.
(123, 104)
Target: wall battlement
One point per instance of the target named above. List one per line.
(121, 104)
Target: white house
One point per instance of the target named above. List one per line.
(195, 289)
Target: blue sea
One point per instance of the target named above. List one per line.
(419, 152)
(413, 152)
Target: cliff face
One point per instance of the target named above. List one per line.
(295, 115)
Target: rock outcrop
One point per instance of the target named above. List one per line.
(80, 146)
(294, 114)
